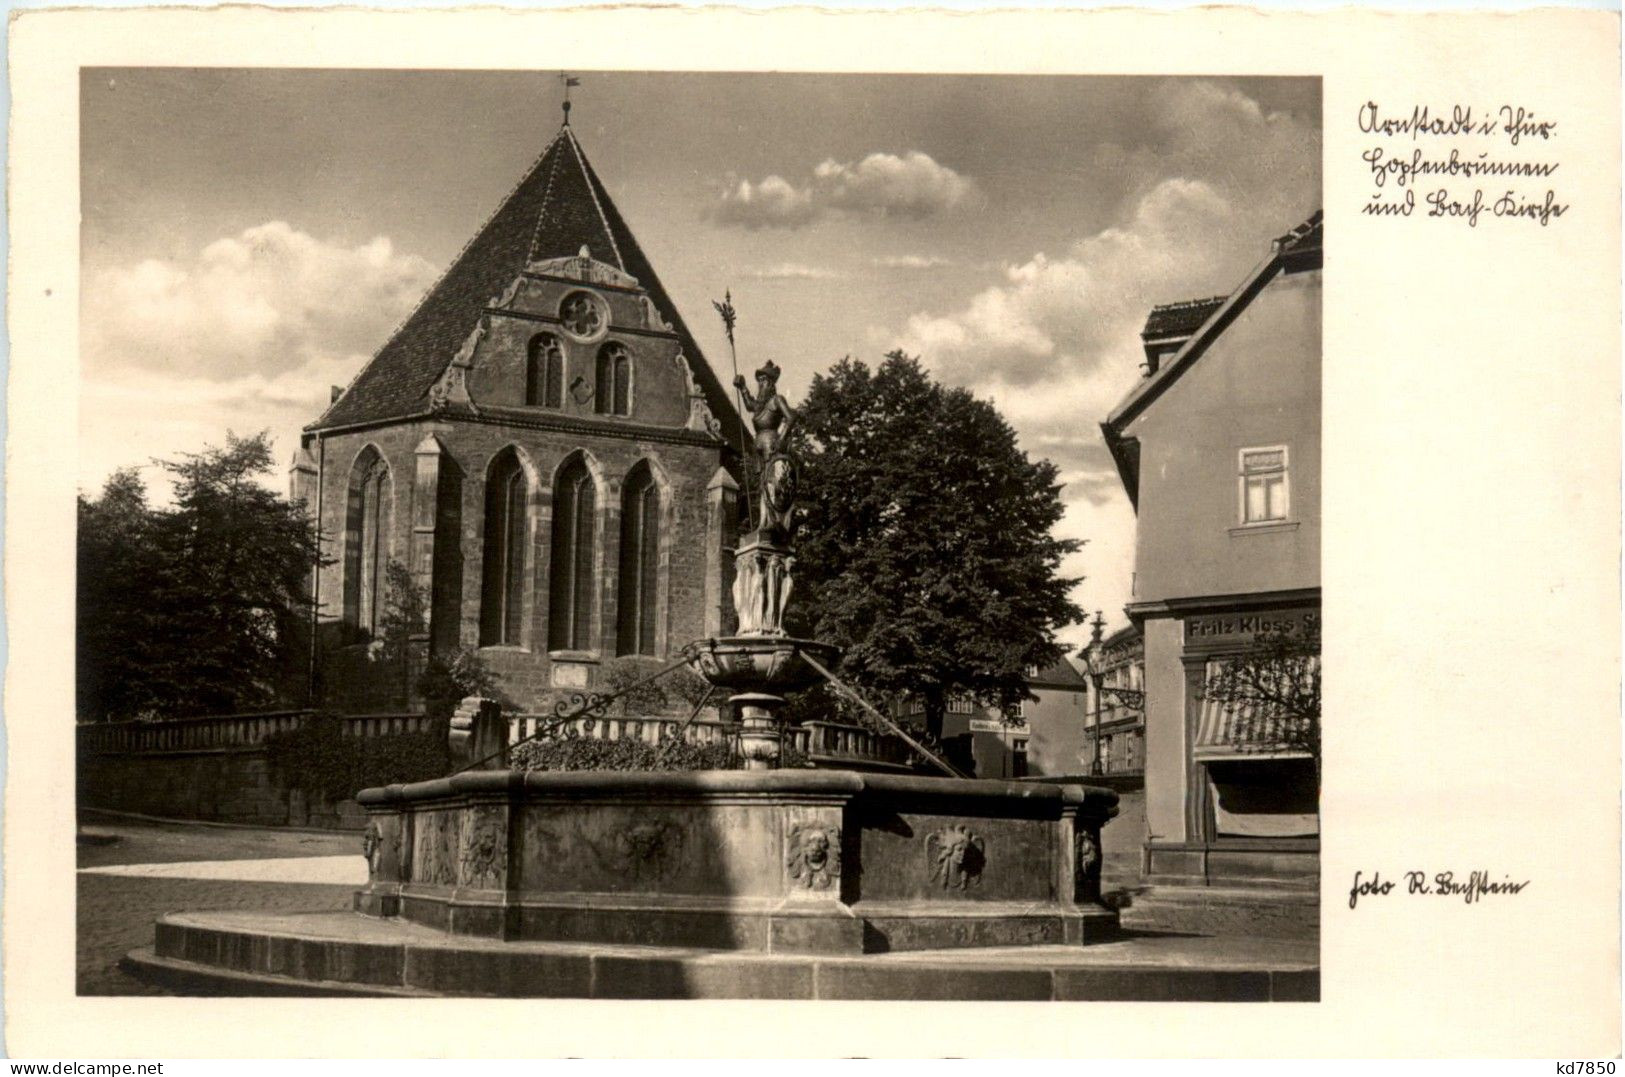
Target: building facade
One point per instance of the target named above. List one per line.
(1218, 447)
(1044, 736)
(543, 449)
(1117, 709)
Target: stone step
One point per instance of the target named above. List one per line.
(1251, 912)
(339, 954)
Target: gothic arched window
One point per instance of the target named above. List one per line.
(544, 372)
(569, 621)
(502, 594)
(640, 563)
(366, 542)
(614, 390)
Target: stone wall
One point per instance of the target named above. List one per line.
(435, 521)
(228, 786)
(216, 769)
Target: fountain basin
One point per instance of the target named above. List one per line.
(769, 664)
(788, 861)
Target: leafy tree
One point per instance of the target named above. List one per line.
(1273, 692)
(237, 561)
(403, 619)
(199, 608)
(926, 546)
(117, 564)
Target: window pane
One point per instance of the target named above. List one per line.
(514, 556)
(555, 374)
(352, 556)
(580, 614)
(372, 547)
(649, 519)
(1256, 500)
(639, 541)
(1276, 486)
(570, 575)
(501, 549)
(623, 384)
(603, 387)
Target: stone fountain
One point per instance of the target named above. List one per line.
(761, 882)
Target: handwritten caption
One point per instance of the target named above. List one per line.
(1475, 887)
(1463, 165)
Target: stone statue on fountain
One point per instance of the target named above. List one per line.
(760, 663)
(762, 581)
(772, 419)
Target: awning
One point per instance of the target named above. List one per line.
(1235, 731)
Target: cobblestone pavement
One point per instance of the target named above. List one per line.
(116, 913)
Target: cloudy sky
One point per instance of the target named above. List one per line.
(250, 237)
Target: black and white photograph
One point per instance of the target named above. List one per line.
(660, 532)
(707, 535)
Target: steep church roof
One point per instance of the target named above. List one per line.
(557, 208)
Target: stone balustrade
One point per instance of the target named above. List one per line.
(224, 732)
(835, 744)
(827, 744)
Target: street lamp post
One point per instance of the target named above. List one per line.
(1094, 656)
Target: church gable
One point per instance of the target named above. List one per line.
(472, 334)
(578, 338)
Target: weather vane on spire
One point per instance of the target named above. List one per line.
(569, 81)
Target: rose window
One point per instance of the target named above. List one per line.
(581, 315)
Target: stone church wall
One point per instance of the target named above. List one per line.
(435, 526)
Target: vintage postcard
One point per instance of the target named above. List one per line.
(721, 508)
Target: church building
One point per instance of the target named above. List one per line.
(542, 446)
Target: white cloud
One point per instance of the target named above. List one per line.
(772, 203)
(1055, 340)
(270, 299)
(912, 185)
(249, 334)
(130, 416)
(912, 261)
(791, 271)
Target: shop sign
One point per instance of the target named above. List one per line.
(1243, 627)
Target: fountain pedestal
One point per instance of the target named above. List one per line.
(760, 670)
(761, 663)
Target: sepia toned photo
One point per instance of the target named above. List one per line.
(673, 535)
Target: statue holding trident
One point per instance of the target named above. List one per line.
(772, 419)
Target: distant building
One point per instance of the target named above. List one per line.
(542, 446)
(1218, 447)
(1119, 720)
(1042, 736)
